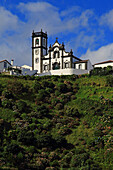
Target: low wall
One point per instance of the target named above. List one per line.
(65, 72)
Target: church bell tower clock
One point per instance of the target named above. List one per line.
(39, 49)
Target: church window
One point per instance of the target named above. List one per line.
(56, 54)
(44, 52)
(36, 60)
(44, 42)
(37, 41)
(45, 67)
(66, 65)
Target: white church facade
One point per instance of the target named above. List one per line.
(55, 61)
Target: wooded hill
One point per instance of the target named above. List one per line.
(56, 122)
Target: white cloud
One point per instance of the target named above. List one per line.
(36, 7)
(107, 19)
(42, 14)
(71, 11)
(8, 20)
(102, 54)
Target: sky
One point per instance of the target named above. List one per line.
(85, 26)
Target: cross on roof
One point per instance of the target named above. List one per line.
(56, 39)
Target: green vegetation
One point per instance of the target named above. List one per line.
(56, 122)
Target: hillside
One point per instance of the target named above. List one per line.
(56, 122)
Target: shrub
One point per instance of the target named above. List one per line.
(41, 95)
(43, 140)
(20, 157)
(21, 106)
(61, 87)
(71, 111)
(24, 116)
(54, 78)
(47, 84)
(54, 163)
(73, 97)
(36, 86)
(59, 106)
(59, 140)
(7, 94)
(49, 90)
(7, 103)
(79, 160)
(109, 80)
(15, 87)
(12, 148)
(41, 111)
(54, 101)
(26, 137)
(57, 93)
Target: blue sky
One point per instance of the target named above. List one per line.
(84, 26)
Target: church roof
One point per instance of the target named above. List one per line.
(56, 43)
(82, 61)
(104, 62)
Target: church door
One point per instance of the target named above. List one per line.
(56, 66)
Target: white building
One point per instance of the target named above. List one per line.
(27, 67)
(55, 61)
(4, 65)
(104, 64)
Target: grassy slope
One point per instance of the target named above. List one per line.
(89, 131)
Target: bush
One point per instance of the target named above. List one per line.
(57, 93)
(109, 80)
(61, 87)
(21, 106)
(43, 140)
(12, 148)
(47, 84)
(79, 160)
(26, 137)
(59, 106)
(71, 111)
(36, 86)
(7, 103)
(15, 87)
(7, 94)
(102, 71)
(41, 111)
(59, 140)
(73, 97)
(41, 95)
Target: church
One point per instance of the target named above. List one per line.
(55, 60)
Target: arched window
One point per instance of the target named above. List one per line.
(56, 54)
(37, 41)
(66, 65)
(45, 67)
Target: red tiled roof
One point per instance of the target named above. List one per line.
(109, 61)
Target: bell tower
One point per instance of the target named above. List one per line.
(39, 49)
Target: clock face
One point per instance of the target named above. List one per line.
(37, 51)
